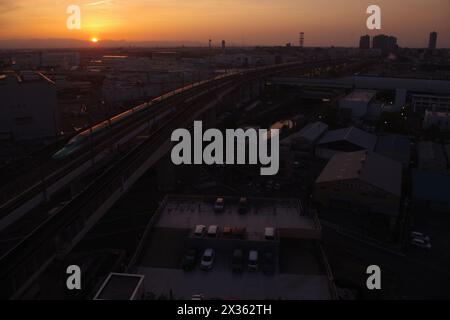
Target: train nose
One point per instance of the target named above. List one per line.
(59, 155)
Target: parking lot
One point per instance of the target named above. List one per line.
(222, 283)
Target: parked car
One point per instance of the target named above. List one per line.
(239, 233)
(243, 205)
(219, 206)
(212, 231)
(227, 232)
(269, 233)
(208, 259)
(189, 259)
(199, 230)
(238, 261)
(198, 297)
(253, 260)
(268, 265)
(420, 243)
(419, 235)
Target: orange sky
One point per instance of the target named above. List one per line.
(325, 22)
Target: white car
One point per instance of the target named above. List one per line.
(208, 259)
(419, 235)
(420, 243)
(253, 260)
(219, 204)
(212, 231)
(199, 230)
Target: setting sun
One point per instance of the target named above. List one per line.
(94, 40)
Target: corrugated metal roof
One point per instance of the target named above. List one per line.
(360, 96)
(370, 167)
(353, 135)
(311, 132)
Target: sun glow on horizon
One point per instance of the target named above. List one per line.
(94, 40)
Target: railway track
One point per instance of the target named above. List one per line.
(57, 235)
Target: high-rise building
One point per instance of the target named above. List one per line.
(384, 42)
(223, 45)
(364, 42)
(433, 41)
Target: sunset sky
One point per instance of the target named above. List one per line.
(325, 22)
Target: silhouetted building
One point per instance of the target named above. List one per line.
(431, 157)
(364, 42)
(384, 42)
(433, 41)
(302, 39)
(28, 108)
(223, 45)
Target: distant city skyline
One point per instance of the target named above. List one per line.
(239, 22)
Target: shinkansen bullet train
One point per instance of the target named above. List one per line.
(86, 137)
(98, 131)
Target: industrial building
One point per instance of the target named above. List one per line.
(396, 147)
(440, 120)
(306, 137)
(431, 191)
(422, 102)
(363, 182)
(364, 42)
(344, 140)
(29, 106)
(431, 157)
(384, 43)
(282, 228)
(432, 44)
(357, 102)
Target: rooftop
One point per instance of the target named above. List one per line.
(396, 147)
(353, 135)
(222, 283)
(300, 268)
(361, 96)
(436, 114)
(120, 286)
(311, 132)
(187, 212)
(370, 167)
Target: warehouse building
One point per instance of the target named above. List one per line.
(396, 147)
(431, 157)
(357, 102)
(344, 140)
(305, 139)
(361, 182)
